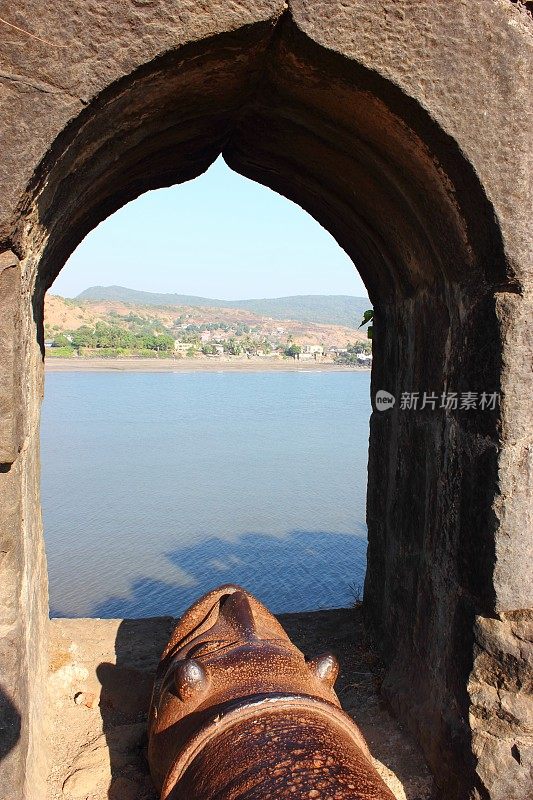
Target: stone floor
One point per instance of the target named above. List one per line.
(101, 673)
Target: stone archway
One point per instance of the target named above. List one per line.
(399, 128)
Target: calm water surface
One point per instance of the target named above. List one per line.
(157, 487)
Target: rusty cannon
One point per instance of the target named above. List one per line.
(238, 713)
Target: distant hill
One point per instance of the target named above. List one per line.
(325, 309)
(64, 316)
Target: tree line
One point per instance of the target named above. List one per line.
(104, 336)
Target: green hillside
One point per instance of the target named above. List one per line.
(326, 309)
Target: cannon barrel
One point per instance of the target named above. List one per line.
(237, 713)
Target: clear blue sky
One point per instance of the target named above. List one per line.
(220, 236)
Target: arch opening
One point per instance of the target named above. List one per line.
(231, 453)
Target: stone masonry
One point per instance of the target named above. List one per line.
(405, 129)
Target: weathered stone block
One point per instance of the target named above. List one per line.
(501, 705)
(10, 400)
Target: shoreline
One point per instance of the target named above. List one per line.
(190, 365)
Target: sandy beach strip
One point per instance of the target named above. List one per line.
(190, 365)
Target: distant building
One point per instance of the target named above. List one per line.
(205, 336)
(219, 349)
(364, 359)
(311, 351)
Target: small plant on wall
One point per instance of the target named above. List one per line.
(368, 316)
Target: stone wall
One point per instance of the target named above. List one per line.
(404, 129)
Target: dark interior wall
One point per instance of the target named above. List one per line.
(317, 121)
(432, 474)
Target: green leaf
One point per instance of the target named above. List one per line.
(367, 316)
